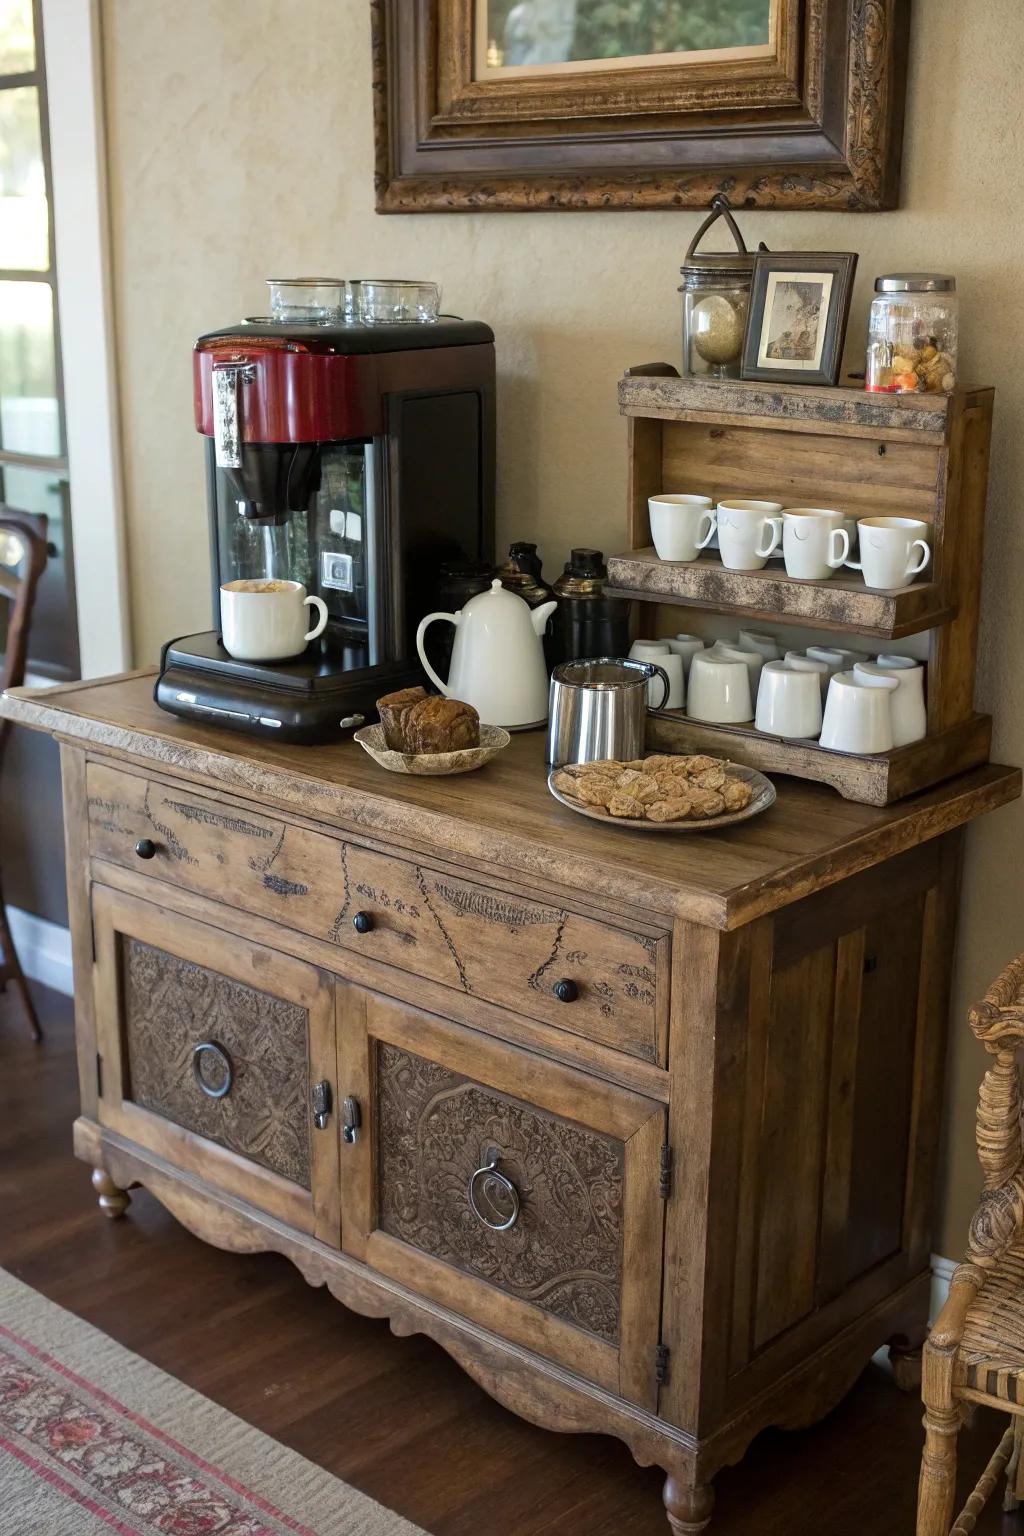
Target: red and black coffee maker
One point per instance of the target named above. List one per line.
(356, 459)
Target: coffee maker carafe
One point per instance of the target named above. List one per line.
(355, 459)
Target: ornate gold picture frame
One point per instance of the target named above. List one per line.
(481, 105)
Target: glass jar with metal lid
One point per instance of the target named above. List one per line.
(912, 334)
(716, 297)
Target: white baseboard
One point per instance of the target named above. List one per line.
(44, 950)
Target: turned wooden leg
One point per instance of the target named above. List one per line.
(937, 1486)
(688, 1508)
(114, 1201)
(1014, 1471)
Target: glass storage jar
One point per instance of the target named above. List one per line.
(912, 334)
(716, 297)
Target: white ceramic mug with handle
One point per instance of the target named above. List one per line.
(858, 714)
(681, 525)
(719, 690)
(887, 546)
(788, 701)
(748, 532)
(265, 619)
(909, 716)
(815, 543)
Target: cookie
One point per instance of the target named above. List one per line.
(699, 763)
(565, 783)
(711, 778)
(594, 791)
(737, 794)
(676, 809)
(707, 802)
(626, 806)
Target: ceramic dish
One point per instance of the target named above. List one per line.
(432, 764)
(763, 797)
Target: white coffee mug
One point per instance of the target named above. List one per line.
(887, 546)
(681, 526)
(752, 659)
(757, 640)
(748, 532)
(649, 650)
(802, 663)
(719, 690)
(265, 620)
(814, 543)
(788, 702)
(909, 717)
(858, 715)
(685, 646)
(672, 666)
(835, 657)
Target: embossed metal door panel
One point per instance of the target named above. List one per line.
(209, 1050)
(480, 940)
(521, 1194)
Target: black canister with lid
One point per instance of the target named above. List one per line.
(586, 623)
(521, 573)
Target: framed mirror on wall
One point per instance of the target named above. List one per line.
(547, 104)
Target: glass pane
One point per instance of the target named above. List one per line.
(53, 636)
(29, 418)
(17, 44)
(24, 232)
(552, 33)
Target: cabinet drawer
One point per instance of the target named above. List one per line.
(523, 1195)
(603, 982)
(209, 1056)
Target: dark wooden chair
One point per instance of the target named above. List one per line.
(23, 553)
(975, 1352)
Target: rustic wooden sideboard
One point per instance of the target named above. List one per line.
(642, 1130)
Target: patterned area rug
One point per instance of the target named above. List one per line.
(94, 1440)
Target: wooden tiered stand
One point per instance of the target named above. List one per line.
(922, 456)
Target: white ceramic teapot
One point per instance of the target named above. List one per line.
(497, 659)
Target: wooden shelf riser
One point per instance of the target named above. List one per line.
(773, 598)
(874, 780)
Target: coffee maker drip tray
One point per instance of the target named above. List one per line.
(320, 696)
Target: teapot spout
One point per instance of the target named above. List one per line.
(539, 616)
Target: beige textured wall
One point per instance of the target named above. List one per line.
(240, 144)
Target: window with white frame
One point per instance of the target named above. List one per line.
(33, 445)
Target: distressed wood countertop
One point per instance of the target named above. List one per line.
(503, 818)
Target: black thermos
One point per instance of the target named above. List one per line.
(587, 623)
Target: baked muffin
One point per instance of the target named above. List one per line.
(393, 708)
(440, 725)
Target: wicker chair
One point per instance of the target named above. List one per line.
(24, 531)
(975, 1352)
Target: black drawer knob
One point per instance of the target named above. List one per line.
(363, 922)
(565, 990)
(145, 848)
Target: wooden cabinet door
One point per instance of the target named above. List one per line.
(518, 1193)
(210, 1049)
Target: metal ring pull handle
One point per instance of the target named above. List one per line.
(223, 1060)
(493, 1197)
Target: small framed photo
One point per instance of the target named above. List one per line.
(796, 325)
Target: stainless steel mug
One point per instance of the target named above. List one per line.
(598, 709)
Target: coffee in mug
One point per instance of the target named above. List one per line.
(264, 619)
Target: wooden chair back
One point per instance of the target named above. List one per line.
(23, 555)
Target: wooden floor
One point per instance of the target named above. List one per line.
(393, 1416)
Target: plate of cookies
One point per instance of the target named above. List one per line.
(664, 793)
(423, 734)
